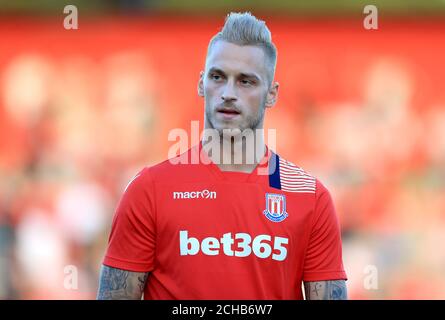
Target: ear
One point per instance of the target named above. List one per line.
(272, 95)
(201, 84)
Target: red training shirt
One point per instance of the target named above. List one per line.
(203, 233)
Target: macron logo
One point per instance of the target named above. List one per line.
(204, 194)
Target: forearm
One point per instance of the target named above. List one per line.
(326, 290)
(117, 284)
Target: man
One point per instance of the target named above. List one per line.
(223, 229)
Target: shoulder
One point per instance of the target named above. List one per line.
(178, 168)
(296, 179)
(143, 183)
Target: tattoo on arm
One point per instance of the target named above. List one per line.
(141, 282)
(117, 284)
(326, 290)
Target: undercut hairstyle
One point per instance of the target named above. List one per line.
(245, 29)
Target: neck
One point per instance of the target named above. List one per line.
(233, 153)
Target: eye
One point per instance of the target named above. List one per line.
(246, 82)
(215, 76)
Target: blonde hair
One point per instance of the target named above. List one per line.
(245, 29)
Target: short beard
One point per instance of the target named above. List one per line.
(252, 123)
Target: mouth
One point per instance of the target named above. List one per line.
(228, 114)
(228, 111)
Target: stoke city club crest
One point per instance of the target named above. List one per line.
(275, 207)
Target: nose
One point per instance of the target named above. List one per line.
(229, 93)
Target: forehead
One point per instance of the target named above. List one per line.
(233, 58)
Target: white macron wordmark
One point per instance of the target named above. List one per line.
(204, 194)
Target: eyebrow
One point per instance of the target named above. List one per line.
(242, 74)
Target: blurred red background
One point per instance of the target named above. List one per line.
(81, 111)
